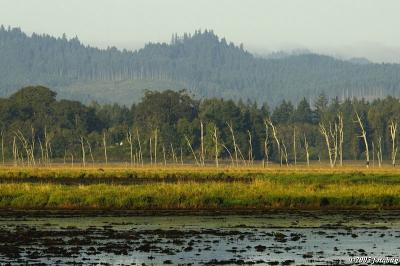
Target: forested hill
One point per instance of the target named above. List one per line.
(203, 63)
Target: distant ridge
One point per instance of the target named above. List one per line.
(201, 62)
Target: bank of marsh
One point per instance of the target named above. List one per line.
(198, 188)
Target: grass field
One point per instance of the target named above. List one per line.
(192, 188)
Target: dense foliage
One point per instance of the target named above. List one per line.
(203, 63)
(33, 117)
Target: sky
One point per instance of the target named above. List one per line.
(342, 28)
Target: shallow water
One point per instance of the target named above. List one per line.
(265, 239)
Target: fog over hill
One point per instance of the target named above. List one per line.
(201, 62)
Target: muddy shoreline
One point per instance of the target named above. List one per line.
(181, 212)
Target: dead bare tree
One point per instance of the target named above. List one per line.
(251, 159)
(174, 157)
(140, 146)
(105, 147)
(341, 137)
(150, 151)
(83, 151)
(275, 134)
(202, 156)
(181, 156)
(130, 142)
(234, 142)
(165, 159)
(329, 147)
(285, 153)
(294, 146)
(90, 151)
(15, 151)
(230, 154)
(393, 135)
(215, 138)
(306, 148)
(190, 146)
(266, 142)
(379, 153)
(364, 137)
(155, 146)
(2, 146)
(46, 145)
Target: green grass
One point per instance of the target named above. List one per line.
(194, 188)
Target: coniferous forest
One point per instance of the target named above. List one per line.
(203, 63)
(171, 126)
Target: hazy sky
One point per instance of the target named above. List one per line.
(368, 28)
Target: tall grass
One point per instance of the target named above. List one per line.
(259, 194)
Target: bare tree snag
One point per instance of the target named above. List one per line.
(2, 146)
(275, 134)
(379, 151)
(393, 135)
(266, 142)
(155, 146)
(341, 137)
(181, 156)
(165, 159)
(105, 147)
(234, 143)
(190, 146)
(364, 137)
(294, 146)
(150, 151)
(15, 151)
(90, 151)
(215, 138)
(230, 154)
(325, 133)
(140, 147)
(306, 148)
(83, 151)
(285, 153)
(202, 142)
(130, 142)
(251, 159)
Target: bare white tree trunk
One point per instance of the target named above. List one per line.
(190, 146)
(202, 142)
(275, 134)
(341, 137)
(266, 150)
(215, 138)
(234, 143)
(2, 146)
(90, 151)
(165, 159)
(105, 147)
(130, 142)
(325, 133)
(393, 135)
(306, 148)
(379, 151)
(150, 150)
(364, 137)
(83, 151)
(251, 160)
(155, 146)
(294, 146)
(140, 147)
(230, 154)
(285, 153)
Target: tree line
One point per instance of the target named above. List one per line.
(173, 127)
